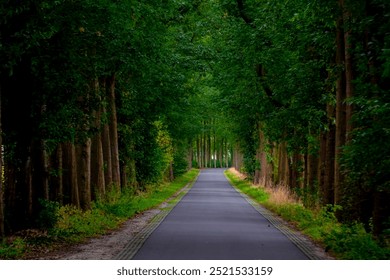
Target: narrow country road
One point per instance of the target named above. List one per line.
(213, 221)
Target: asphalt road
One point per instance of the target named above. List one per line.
(213, 221)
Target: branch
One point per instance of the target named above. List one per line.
(244, 16)
(268, 92)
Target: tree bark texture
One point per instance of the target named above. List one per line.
(340, 108)
(71, 189)
(114, 135)
(2, 215)
(84, 173)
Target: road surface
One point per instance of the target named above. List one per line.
(213, 221)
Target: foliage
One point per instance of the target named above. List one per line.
(345, 241)
(352, 242)
(185, 73)
(74, 225)
(12, 250)
(49, 214)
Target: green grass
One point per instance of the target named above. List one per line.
(341, 240)
(73, 225)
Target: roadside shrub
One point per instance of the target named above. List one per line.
(12, 250)
(48, 215)
(354, 243)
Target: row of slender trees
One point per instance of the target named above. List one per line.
(108, 95)
(306, 85)
(94, 99)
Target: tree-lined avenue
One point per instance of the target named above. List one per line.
(213, 221)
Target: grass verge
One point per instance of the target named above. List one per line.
(343, 241)
(72, 225)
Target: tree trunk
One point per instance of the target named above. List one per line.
(294, 170)
(45, 171)
(327, 161)
(2, 215)
(312, 177)
(59, 178)
(106, 145)
(114, 135)
(209, 149)
(198, 157)
(219, 154)
(171, 176)
(227, 153)
(190, 155)
(84, 173)
(204, 146)
(340, 109)
(256, 176)
(348, 73)
(97, 167)
(70, 174)
(263, 161)
(132, 176)
(124, 179)
(222, 153)
(29, 185)
(283, 176)
(97, 159)
(215, 149)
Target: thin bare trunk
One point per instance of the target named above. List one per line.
(171, 176)
(84, 177)
(60, 167)
(294, 170)
(329, 162)
(198, 157)
(204, 147)
(97, 158)
(106, 144)
(227, 153)
(190, 155)
(70, 172)
(340, 108)
(209, 150)
(215, 150)
(348, 74)
(29, 185)
(2, 215)
(97, 166)
(114, 135)
(45, 170)
(283, 164)
(312, 171)
(124, 179)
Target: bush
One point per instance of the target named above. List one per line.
(354, 243)
(48, 215)
(12, 250)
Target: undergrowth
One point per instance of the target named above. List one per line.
(68, 224)
(344, 241)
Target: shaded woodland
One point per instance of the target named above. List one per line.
(102, 96)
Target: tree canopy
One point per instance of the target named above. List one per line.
(115, 95)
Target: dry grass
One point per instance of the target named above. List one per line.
(279, 194)
(237, 173)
